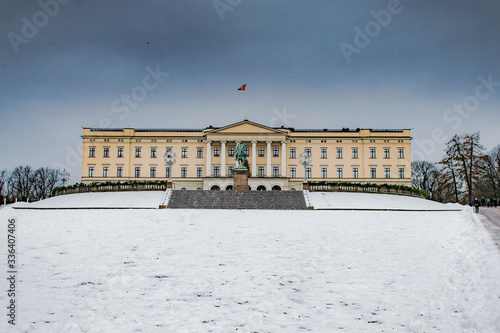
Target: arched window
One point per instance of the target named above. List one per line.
(276, 188)
(229, 188)
(261, 188)
(215, 188)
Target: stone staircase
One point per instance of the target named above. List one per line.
(286, 200)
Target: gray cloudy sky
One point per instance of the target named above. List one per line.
(428, 65)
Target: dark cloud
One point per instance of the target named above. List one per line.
(91, 52)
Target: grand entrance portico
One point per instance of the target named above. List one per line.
(266, 152)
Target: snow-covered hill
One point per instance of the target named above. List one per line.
(320, 200)
(264, 271)
(345, 200)
(129, 199)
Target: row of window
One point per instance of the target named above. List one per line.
(260, 172)
(261, 150)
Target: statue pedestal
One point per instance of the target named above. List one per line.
(240, 176)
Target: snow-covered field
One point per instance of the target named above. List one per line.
(254, 271)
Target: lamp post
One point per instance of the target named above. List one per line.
(305, 159)
(64, 176)
(169, 160)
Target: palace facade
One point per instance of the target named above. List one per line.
(205, 157)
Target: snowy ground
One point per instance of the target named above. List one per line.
(246, 271)
(374, 201)
(132, 199)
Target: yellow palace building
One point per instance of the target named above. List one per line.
(205, 157)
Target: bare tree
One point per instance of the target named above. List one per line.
(21, 181)
(449, 187)
(463, 154)
(489, 164)
(45, 180)
(425, 176)
(3, 179)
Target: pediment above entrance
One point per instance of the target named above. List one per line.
(246, 127)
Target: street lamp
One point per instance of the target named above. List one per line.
(305, 159)
(170, 160)
(64, 176)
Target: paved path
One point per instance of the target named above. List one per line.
(491, 219)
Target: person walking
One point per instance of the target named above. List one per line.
(476, 205)
(483, 202)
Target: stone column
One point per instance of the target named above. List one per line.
(283, 159)
(208, 170)
(223, 158)
(254, 158)
(269, 173)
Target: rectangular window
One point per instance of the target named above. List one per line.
(230, 151)
(247, 151)
(216, 151)
(276, 171)
(373, 173)
(119, 171)
(216, 171)
(293, 153)
(324, 172)
(293, 172)
(373, 153)
(199, 152)
(355, 173)
(91, 151)
(307, 152)
(308, 172)
(184, 172)
(105, 171)
(276, 152)
(137, 152)
(119, 152)
(324, 153)
(152, 172)
(401, 153)
(354, 152)
(153, 152)
(387, 172)
(261, 151)
(91, 171)
(387, 153)
(137, 172)
(339, 152)
(184, 152)
(167, 172)
(105, 152)
(199, 172)
(340, 172)
(401, 173)
(261, 171)
(230, 170)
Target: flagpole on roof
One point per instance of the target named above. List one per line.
(244, 88)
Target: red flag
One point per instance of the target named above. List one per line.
(243, 87)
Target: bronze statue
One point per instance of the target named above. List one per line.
(240, 155)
